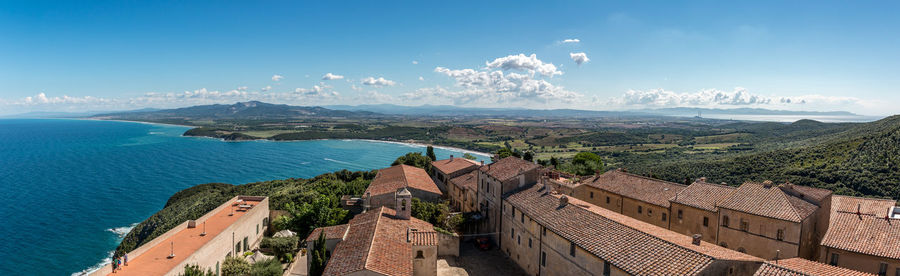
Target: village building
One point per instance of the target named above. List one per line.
(546, 233)
(463, 192)
(385, 241)
(446, 169)
(390, 180)
(497, 179)
(563, 183)
(864, 235)
(639, 197)
(695, 209)
(804, 267)
(773, 221)
(230, 229)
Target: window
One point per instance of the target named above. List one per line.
(403, 205)
(680, 214)
(882, 269)
(664, 216)
(834, 259)
(897, 272)
(512, 233)
(607, 200)
(529, 242)
(725, 221)
(513, 211)
(572, 249)
(246, 244)
(519, 239)
(649, 212)
(640, 209)
(745, 225)
(257, 229)
(592, 194)
(705, 221)
(606, 270)
(237, 247)
(543, 258)
(543, 231)
(522, 218)
(780, 235)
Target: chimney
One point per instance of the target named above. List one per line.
(563, 201)
(696, 239)
(767, 183)
(482, 162)
(857, 209)
(777, 256)
(703, 179)
(451, 156)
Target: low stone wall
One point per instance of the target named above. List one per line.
(448, 245)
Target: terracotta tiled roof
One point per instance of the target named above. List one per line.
(331, 232)
(452, 165)
(636, 247)
(508, 168)
(467, 181)
(804, 267)
(376, 241)
(389, 180)
(650, 190)
(815, 194)
(756, 198)
(703, 195)
(864, 234)
(867, 206)
(423, 237)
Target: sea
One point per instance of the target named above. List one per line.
(71, 189)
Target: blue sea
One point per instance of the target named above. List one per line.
(70, 189)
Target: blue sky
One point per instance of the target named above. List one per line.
(795, 55)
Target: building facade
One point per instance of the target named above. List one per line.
(446, 169)
(864, 235)
(494, 181)
(639, 197)
(388, 181)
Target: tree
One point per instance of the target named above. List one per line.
(194, 270)
(554, 162)
(528, 156)
(235, 266)
(318, 256)
(469, 156)
(434, 213)
(281, 246)
(430, 153)
(584, 163)
(269, 267)
(415, 159)
(321, 212)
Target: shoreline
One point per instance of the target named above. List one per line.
(416, 144)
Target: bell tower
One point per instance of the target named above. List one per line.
(404, 203)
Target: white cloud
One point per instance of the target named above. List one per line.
(718, 98)
(267, 88)
(242, 88)
(521, 62)
(415, 62)
(571, 40)
(330, 76)
(277, 77)
(579, 58)
(494, 84)
(378, 82)
(421, 78)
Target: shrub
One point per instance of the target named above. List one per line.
(235, 266)
(270, 267)
(194, 270)
(281, 246)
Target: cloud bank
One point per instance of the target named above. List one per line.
(579, 58)
(330, 76)
(380, 81)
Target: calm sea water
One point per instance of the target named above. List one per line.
(69, 189)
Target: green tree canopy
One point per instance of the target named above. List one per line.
(415, 159)
(235, 266)
(430, 153)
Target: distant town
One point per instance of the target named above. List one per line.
(520, 218)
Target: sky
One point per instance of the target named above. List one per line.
(80, 56)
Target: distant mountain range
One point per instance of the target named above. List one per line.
(265, 111)
(252, 110)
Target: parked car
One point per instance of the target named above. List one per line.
(483, 243)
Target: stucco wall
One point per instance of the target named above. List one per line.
(760, 239)
(448, 245)
(583, 192)
(859, 262)
(649, 213)
(692, 222)
(426, 266)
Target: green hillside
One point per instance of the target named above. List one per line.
(193, 202)
(861, 159)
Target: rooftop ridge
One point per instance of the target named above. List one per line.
(648, 178)
(371, 239)
(785, 196)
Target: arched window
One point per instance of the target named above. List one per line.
(403, 205)
(420, 255)
(725, 221)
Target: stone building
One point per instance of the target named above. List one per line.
(494, 182)
(639, 197)
(231, 229)
(864, 234)
(547, 233)
(385, 241)
(389, 180)
(804, 267)
(695, 209)
(773, 221)
(463, 192)
(447, 169)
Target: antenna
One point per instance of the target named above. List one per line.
(172, 255)
(204, 229)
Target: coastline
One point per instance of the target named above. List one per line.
(126, 121)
